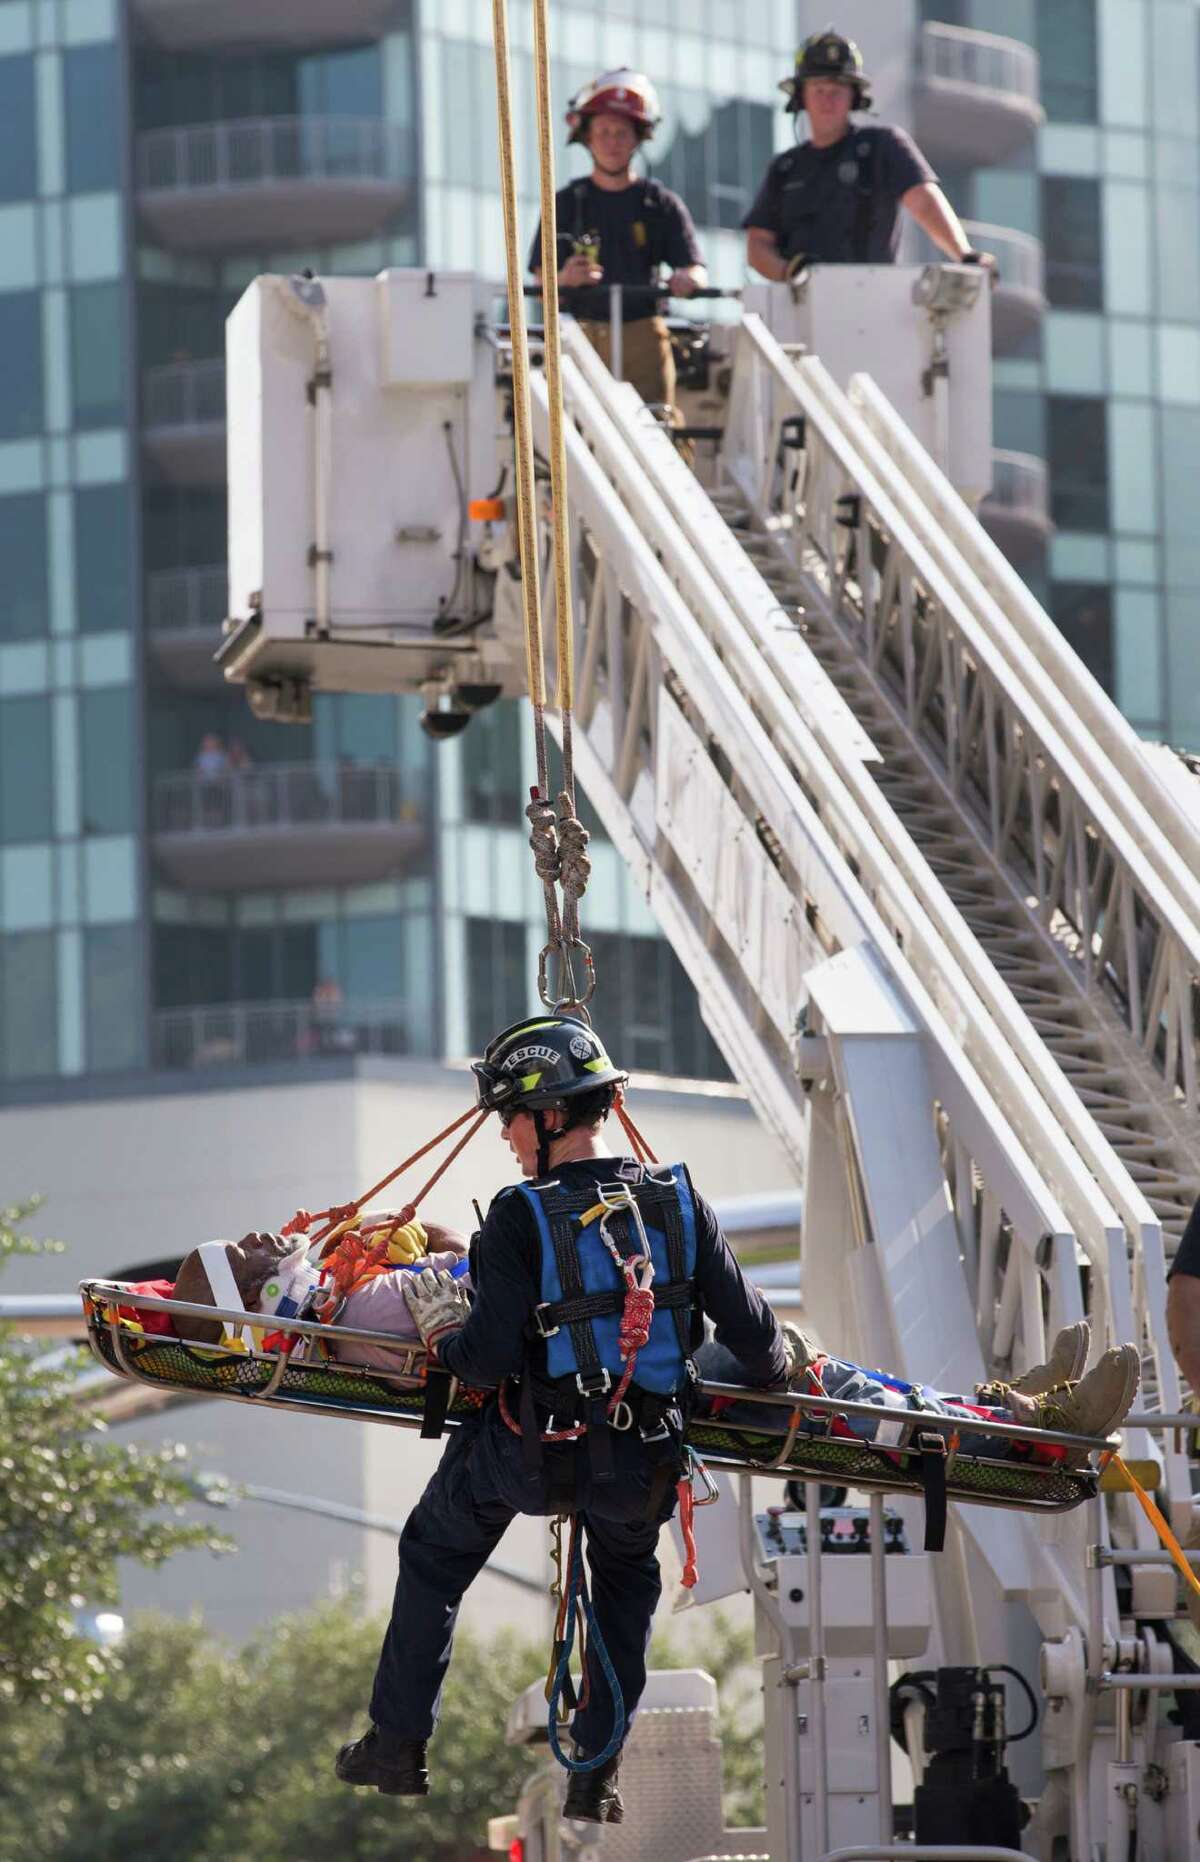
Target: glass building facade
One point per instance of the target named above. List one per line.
(1097, 396)
(180, 884)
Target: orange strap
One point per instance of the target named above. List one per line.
(1151, 1510)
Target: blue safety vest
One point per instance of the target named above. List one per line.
(583, 1292)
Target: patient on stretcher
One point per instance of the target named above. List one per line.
(274, 1276)
(1056, 1395)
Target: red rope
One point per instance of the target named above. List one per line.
(641, 1149)
(687, 1526)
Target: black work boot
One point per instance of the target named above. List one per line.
(592, 1796)
(394, 1766)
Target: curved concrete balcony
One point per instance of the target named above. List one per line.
(192, 25)
(240, 1034)
(183, 421)
(1016, 511)
(1019, 298)
(976, 98)
(272, 181)
(184, 612)
(286, 824)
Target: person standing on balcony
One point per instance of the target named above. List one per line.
(835, 199)
(614, 228)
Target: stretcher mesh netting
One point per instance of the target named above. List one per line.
(318, 1384)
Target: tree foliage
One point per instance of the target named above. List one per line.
(71, 1503)
(198, 1753)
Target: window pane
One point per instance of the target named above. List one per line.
(491, 764)
(1078, 437)
(496, 965)
(1083, 615)
(1066, 41)
(106, 724)
(21, 348)
(112, 983)
(93, 118)
(18, 144)
(373, 970)
(28, 1005)
(191, 966)
(103, 588)
(26, 810)
(1071, 234)
(24, 608)
(97, 355)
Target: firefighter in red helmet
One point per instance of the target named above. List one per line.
(615, 228)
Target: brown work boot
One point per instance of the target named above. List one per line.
(592, 1796)
(1098, 1403)
(1068, 1355)
(394, 1766)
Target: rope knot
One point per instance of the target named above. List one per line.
(573, 838)
(636, 1319)
(543, 838)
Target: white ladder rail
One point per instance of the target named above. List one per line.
(1099, 734)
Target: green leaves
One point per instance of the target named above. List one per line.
(71, 1503)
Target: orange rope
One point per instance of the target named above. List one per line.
(1150, 1509)
(641, 1149)
(687, 1527)
(339, 1213)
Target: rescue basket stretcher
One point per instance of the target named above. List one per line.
(244, 1368)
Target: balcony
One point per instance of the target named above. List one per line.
(193, 25)
(272, 182)
(976, 99)
(1016, 511)
(184, 612)
(239, 1034)
(183, 421)
(287, 824)
(1019, 299)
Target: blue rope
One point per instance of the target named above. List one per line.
(596, 1645)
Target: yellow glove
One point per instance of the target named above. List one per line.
(408, 1244)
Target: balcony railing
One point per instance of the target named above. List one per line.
(1020, 482)
(1020, 259)
(187, 600)
(977, 99)
(267, 150)
(1016, 510)
(282, 796)
(184, 394)
(258, 1033)
(961, 55)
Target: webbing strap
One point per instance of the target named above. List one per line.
(677, 1261)
(671, 1296)
(570, 1278)
(931, 1471)
(438, 1385)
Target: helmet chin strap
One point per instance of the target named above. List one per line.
(543, 1138)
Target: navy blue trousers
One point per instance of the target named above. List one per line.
(479, 1487)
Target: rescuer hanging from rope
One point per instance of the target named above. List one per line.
(594, 1377)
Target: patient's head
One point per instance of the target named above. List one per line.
(252, 1260)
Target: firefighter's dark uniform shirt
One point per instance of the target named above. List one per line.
(810, 197)
(1187, 1256)
(639, 228)
(506, 1273)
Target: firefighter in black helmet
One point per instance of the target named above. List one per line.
(835, 199)
(569, 1431)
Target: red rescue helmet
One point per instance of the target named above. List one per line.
(621, 93)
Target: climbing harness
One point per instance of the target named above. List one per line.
(557, 836)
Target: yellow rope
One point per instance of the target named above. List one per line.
(553, 355)
(522, 413)
(1150, 1509)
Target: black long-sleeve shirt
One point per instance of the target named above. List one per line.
(506, 1273)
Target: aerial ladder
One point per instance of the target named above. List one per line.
(941, 908)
